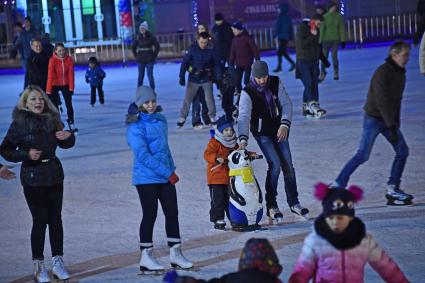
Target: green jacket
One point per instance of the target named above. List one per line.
(332, 28)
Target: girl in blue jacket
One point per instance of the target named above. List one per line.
(154, 177)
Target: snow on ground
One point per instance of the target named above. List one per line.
(101, 212)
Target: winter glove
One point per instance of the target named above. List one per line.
(71, 92)
(133, 109)
(393, 135)
(182, 81)
(173, 179)
(343, 43)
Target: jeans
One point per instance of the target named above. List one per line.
(149, 68)
(149, 195)
(45, 204)
(372, 127)
(333, 46)
(309, 72)
(67, 96)
(278, 156)
(93, 94)
(197, 102)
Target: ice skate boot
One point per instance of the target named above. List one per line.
(395, 196)
(148, 264)
(278, 69)
(180, 123)
(305, 111)
(58, 270)
(322, 76)
(71, 126)
(314, 109)
(40, 271)
(291, 68)
(300, 210)
(336, 75)
(220, 224)
(275, 216)
(177, 259)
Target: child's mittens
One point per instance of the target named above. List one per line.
(173, 179)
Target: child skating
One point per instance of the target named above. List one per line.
(94, 77)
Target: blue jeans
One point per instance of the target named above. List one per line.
(278, 156)
(149, 68)
(372, 127)
(309, 72)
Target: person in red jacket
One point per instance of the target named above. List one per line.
(61, 78)
(218, 149)
(242, 54)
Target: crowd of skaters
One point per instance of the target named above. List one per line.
(263, 108)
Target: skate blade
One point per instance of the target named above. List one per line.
(178, 267)
(60, 280)
(273, 221)
(152, 272)
(400, 203)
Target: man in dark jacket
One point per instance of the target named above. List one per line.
(242, 54)
(145, 49)
(382, 116)
(202, 63)
(307, 66)
(222, 35)
(284, 32)
(37, 65)
(265, 109)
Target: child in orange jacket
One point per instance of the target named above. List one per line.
(218, 149)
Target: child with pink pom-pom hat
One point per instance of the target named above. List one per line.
(338, 248)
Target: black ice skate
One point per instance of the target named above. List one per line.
(71, 126)
(180, 123)
(220, 224)
(298, 209)
(275, 216)
(397, 197)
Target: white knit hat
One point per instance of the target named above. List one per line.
(144, 25)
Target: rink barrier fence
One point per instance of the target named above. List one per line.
(173, 45)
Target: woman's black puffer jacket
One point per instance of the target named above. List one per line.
(30, 130)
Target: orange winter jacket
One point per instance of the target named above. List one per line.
(217, 175)
(61, 73)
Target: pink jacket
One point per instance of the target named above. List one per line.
(327, 264)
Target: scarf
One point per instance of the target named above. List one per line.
(229, 142)
(264, 90)
(246, 172)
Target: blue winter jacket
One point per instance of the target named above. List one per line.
(148, 139)
(95, 76)
(203, 64)
(284, 29)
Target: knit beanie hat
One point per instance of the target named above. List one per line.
(218, 17)
(238, 25)
(259, 69)
(338, 200)
(332, 4)
(143, 94)
(223, 123)
(144, 25)
(259, 254)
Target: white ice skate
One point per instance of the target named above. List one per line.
(148, 264)
(314, 110)
(177, 259)
(40, 271)
(397, 197)
(300, 210)
(275, 215)
(58, 270)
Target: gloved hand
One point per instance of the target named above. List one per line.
(393, 135)
(87, 80)
(343, 43)
(71, 92)
(182, 81)
(133, 109)
(173, 179)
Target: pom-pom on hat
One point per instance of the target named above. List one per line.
(238, 25)
(338, 200)
(223, 123)
(144, 94)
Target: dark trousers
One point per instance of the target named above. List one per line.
(227, 102)
(45, 204)
(309, 71)
(246, 73)
(198, 102)
(219, 202)
(149, 195)
(149, 68)
(281, 51)
(333, 47)
(420, 31)
(93, 94)
(67, 96)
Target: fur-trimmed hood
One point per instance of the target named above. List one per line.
(32, 122)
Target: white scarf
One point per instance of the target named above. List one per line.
(229, 142)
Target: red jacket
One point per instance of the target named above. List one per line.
(243, 51)
(217, 175)
(61, 73)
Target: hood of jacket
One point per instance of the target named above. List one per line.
(46, 122)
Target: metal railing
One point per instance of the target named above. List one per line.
(173, 45)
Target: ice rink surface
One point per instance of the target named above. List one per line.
(101, 210)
